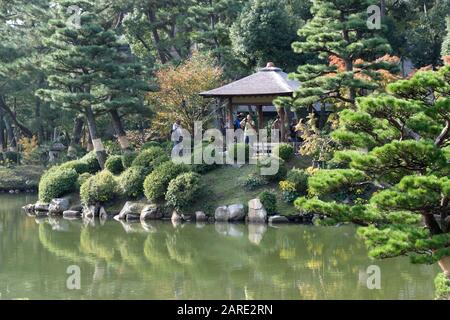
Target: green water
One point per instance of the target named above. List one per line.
(162, 261)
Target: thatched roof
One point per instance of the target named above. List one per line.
(269, 81)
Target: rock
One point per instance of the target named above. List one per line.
(222, 214)
(76, 207)
(59, 205)
(132, 217)
(41, 214)
(278, 219)
(256, 211)
(90, 211)
(102, 214)
(151, 212)
(186, 217)
(72, 214)
(200, 216)
(176, 218)
(130, 207)
(28, 208)
(237, 212)
(41, 206)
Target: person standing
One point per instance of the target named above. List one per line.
(249, 128)
(176, 132)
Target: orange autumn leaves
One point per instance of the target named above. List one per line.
(385, 74)
(179, 87)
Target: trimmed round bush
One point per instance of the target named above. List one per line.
(57, 182)
(114, 164)
(156, 183)
(299, 178)
(183, 190)
(150, 158)
(100, 188)
(128, 158)
(241, 148)
(284, 150)
(131, 182)
(269, 201)
(78, 165)
(82, 178)
(91, 161)
(267, 162)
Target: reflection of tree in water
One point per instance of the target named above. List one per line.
(187, 262)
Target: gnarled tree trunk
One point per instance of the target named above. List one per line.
(118, 128)
(96, 140)
(76, 135)
(2, 132)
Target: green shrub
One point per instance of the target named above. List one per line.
(150, 144)
(299, 178)
(100, 188)
(183, 190)
(267, 162)
(82, 178)
(269, 201)
(240, 148)
(57, 182)
(150, 158)
(288, 191)
(11, 157)
(253, 181)
(128, 158)
(131, 182)
(442, 285)
(156, 183)
(284, 151)
(78, 165)
(112, 148)
(114, 164)
(91, 160)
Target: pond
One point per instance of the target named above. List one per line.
(162, 261)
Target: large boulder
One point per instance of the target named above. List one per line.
(151, 212)
(29, 208)
(222, 214)
(131, 208)
(41, 206)
(200, 216)
(236, 212)
(256, 211)
(278, 219)
(71, 214)
(58, 206)
(176, 218)
(90, 211)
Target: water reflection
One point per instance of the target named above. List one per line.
(157, 260)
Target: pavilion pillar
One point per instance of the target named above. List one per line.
(260, 117)
(230, 114)
(282, 114)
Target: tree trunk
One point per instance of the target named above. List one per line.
(11, 138)
(76, 135)
(282, 114)
(40, 129)
(118, 127)
(96, 141)
(260, 117)
(25, 131)
(2, 132)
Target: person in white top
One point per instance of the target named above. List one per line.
(176, 132)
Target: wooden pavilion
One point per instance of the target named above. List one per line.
(259, 89)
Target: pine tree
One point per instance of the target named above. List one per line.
(393, 177)
(446, 43)
(76, 64)
(210, 21)
(264, 33)
(339, 31)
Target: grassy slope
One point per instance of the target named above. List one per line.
(20, 178)
(223, 188)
